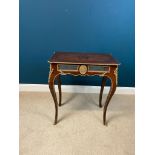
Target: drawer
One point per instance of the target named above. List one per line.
(89, 68)
(65, 67)
(93, 68)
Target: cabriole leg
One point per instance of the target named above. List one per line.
(101, 91)
(110, 94)
(59, 88)
(52, 90)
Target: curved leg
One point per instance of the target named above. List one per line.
(110, 94)
(101, 91)
(59, 88)
(52, 90)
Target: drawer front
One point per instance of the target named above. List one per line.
(65, 67)
(89, 68)
(93, 68)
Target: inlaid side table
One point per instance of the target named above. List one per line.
(83, 64)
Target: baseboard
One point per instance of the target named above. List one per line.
(74, 89)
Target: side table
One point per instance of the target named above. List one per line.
(83, 64)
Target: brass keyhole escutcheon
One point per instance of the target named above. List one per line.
(83, 69)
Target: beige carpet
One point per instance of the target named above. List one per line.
(80, 130)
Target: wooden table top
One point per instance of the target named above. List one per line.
(83, 58)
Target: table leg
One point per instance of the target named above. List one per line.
(59, 88)
(52, 90)
(101, 91)
(110, 94)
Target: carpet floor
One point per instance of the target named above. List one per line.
(80, 130)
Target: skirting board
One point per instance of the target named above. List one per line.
(74, 89)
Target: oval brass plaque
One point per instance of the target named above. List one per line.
(83, 69)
